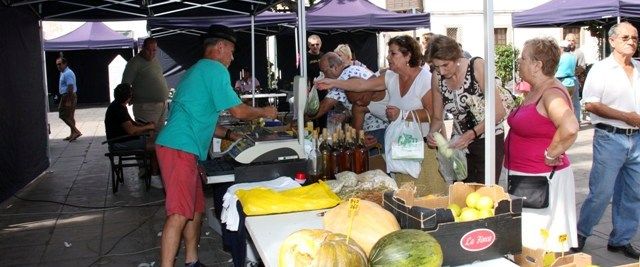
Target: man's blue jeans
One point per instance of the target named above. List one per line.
(575, 99)
(615, 173)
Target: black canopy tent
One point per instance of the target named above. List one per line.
(24, 149)
(89, 49)
(169, 30)
(354, 22)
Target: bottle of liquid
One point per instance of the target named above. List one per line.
(312, 160)
(348, 151)
(325, 152)
(361, 155)
(336, 156)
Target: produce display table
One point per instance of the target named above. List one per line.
(269, 231)
(261, 95)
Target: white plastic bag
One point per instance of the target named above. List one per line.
(408, 143)
(403, 162)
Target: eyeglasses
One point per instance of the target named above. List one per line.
(626, 38)
(58, 64)
(314, 44)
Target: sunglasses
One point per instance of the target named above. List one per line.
(626, 38)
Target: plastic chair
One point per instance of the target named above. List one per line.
(121, 159)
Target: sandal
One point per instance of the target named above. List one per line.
(195, 264)
(75, 137)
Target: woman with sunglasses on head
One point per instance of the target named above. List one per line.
(409, 89)
(458, 81)
(541, 131)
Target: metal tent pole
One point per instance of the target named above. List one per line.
(490, 96)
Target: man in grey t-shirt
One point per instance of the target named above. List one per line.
(151, 92)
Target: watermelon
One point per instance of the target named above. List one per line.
(406, 248)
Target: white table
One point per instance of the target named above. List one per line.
(269, 231)
(263, 95)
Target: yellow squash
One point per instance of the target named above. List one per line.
(371, 222)
(320, 248)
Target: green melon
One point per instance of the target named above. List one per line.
(406, 248)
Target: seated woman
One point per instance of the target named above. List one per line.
(244, 85)
(123, 133)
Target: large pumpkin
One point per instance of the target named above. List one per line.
(316, 248)
(371, 222)
(407, 248)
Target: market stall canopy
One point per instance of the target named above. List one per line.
(264, 20)
(101, 10)
(559, 13)
(91, 35)
(361, 15)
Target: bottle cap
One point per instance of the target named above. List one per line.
(301, 177)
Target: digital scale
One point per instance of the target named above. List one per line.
(264, 145)
(262, 154)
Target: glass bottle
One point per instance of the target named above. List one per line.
(348, 153)
(336, 156)
(313, 166)
(361, 155)
(325, 152)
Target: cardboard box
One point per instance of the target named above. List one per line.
(535, 257)
(377, 162)
(462, 242)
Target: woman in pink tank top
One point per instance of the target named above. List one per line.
(541, 131)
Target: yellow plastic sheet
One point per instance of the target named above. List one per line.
(262, 200)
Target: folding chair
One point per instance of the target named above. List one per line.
(128, 158)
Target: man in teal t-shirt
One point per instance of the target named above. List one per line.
(204, 92)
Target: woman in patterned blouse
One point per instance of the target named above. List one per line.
(459, 84)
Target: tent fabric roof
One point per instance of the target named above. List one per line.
(558, 13)
(91, 35)
(360, 14)
(262, 20)
(101, 10)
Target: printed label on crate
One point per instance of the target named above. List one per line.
(478, 239)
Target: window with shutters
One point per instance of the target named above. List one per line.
(500, 36)
(404, 6)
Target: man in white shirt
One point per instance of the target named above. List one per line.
(333, 67)
(612, 95)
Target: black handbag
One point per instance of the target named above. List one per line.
(534, 190)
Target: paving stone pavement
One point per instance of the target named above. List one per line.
(40, 231)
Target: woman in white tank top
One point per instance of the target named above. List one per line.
(409, 87)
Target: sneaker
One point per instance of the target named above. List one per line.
(628, 250)
(156, 182)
